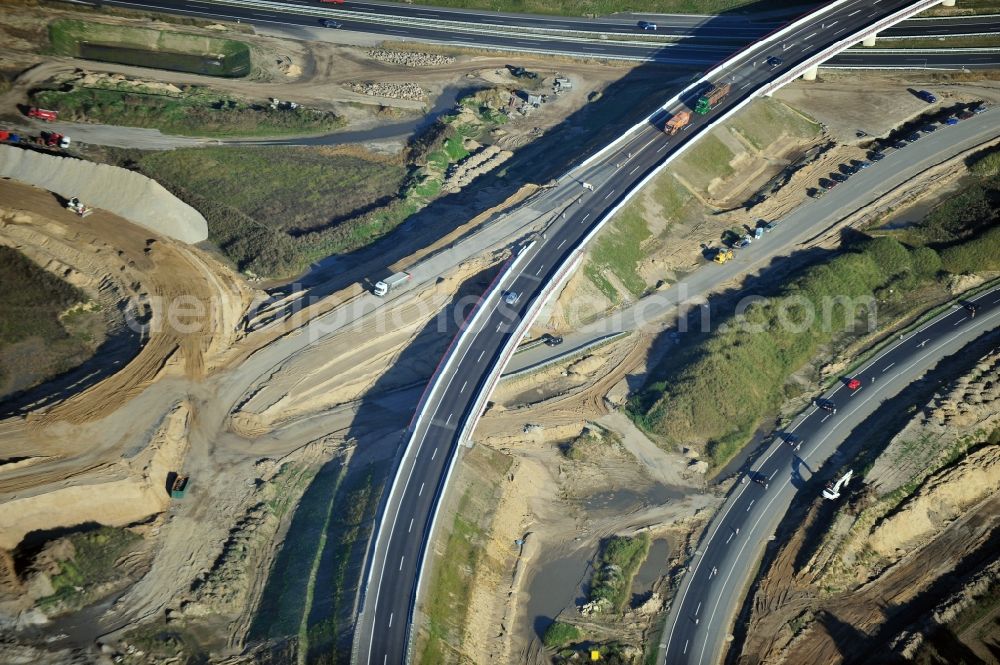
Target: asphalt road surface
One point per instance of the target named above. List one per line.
(383, 627)
(791, 233)
(712, 40)
(727, 557)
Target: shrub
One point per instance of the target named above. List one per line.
(559, 634)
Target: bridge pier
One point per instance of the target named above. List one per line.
(810, 74)
(947, 3)
(870, 39)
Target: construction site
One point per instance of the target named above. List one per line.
(196, 434)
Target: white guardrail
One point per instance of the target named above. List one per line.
(472, 417)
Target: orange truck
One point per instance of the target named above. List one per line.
(678, 122)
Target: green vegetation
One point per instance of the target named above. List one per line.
(971, 41)
(145, 47)
(707, 160)
(44, 330)
(964, 8)
(605, 7)
(766, 120)
(465, 556)
(619, 563)
(91, 566)
(274, 211)
(594, 437)
(618, 250)
(560, 634)
(196, 111)
(752, 356)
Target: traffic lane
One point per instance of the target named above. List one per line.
(413, 515)
(814, 430)
(956, 25)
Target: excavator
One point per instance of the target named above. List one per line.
(832, 490)
(77, 206)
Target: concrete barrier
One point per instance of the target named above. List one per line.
(128, 194)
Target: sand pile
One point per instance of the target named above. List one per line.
(125, 193)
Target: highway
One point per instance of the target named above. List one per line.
(382, 631)
(727, 557)
(793, 232)
(707, 39)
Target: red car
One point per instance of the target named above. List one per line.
(854, 384)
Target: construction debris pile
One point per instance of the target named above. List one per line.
(410, 91)
(411, 59)
(475, 165)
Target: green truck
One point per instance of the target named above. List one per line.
(712, 97)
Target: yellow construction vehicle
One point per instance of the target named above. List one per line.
(724, 255)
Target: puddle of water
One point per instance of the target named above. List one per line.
(652, 569)
(557, 585)
(622, 500)
(211, 65)
(915, 213)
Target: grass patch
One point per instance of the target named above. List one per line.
(91, 566)
(605, 7)
(464, 558)
(146, 47)
(305, 203)
(766, 120)
(196, 111)
(43, 330)
(969, 41)
(560, 634)
(705, 161)
(619, 563)
(619, 250)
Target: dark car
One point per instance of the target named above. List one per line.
(793, 441)
(898, 144)
(552, 340)
(964, 115)
(838, 177)
(826, 405)
(511, 297)
(875, 155)
(915, 136)
(647, 25)
(860, 164)
(849, 169)
(826, 183)
(980, 108)
(950, 120)
(774, 62)
(927, 129)
(330, 23)
(926, 96)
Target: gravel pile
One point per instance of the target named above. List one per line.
(411, 59)
(410, 91)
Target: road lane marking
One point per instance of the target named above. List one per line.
(634, 170)
(609, 194)
(686, 646)
(421, 492)
(729, 538)
(401, 560)
(463, 387)
(824, 419)
(410, 528)
(449, 418)
(434, 454)
(854, 12)
(751, 505)
(391, 614)
(499, 326)
(773, 475)
(585, 217)
(957, 322)
(697, 609)
(563, 242)
(538, 271)
(804, 458)
(887, 367)
(481, 355)
(809, 37)
(663, 147)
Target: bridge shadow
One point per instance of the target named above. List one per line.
(325, 549)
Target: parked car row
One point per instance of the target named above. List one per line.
(877, 153)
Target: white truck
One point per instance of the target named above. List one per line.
(383, 286)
